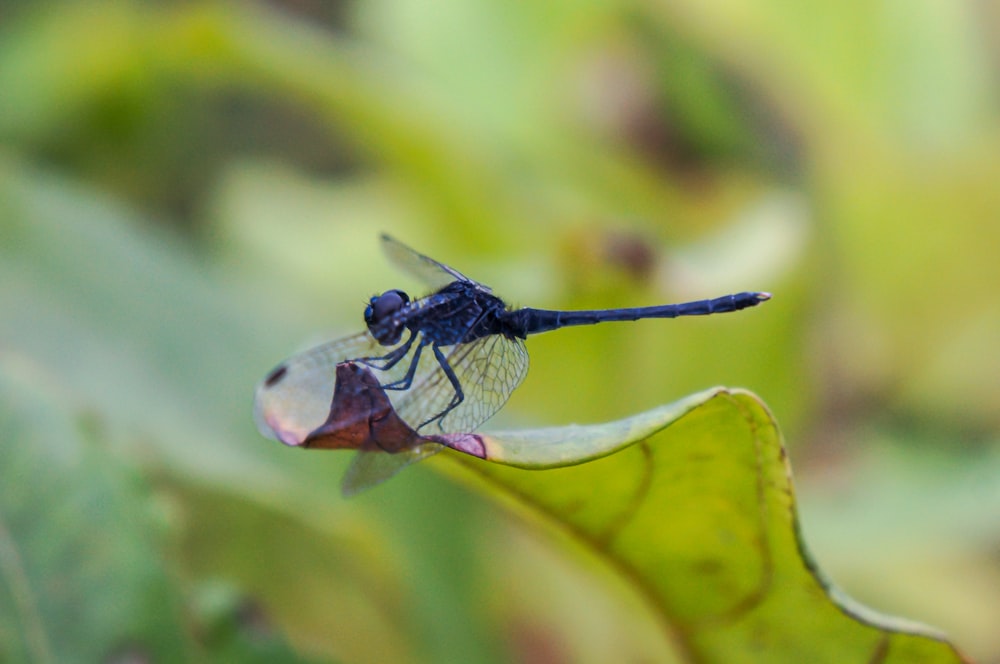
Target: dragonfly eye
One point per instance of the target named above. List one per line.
(379, 314)
(387, 304)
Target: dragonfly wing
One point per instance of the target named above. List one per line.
(294, 398)
(434, 274)
(370, 468)
(488, 369)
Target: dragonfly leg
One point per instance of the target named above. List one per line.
(453, 379)
(407, 380)
(392, 358)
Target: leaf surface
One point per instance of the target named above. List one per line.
(693, 503)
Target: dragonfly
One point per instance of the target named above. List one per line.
(443, 364)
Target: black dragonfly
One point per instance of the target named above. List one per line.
(448, 361)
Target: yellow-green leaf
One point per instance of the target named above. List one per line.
(697, 509)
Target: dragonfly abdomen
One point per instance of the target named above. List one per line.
(534, 321)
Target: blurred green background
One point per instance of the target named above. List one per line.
(190, 191)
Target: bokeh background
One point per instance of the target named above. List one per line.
(190, 191)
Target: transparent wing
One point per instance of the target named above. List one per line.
(434, 274)
(489, 369)
(370, 468)
(294, 398)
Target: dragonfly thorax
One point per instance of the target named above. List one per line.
(381, 319)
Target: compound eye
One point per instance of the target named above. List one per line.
(370, 312)
(386, 304)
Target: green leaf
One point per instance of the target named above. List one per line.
(697, 509)
(83, 571)
(81, 575)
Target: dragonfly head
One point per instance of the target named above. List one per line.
(380, 316)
